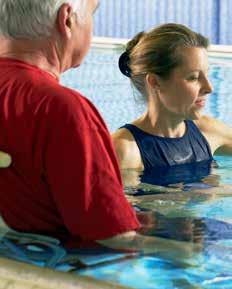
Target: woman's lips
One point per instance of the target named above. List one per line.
(200, 102)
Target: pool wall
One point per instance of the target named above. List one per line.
(125, 18)
(218, 50)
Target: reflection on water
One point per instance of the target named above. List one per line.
(168, 198)
(187, 216)
(189, 203)
(179, 190)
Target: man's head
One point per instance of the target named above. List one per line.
(30, 19)
(67, 24)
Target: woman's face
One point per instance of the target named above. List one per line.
(184, 92)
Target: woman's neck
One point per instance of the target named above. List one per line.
(161, 124)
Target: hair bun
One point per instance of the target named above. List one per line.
(123, 62)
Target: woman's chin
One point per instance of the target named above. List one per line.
(194, 116)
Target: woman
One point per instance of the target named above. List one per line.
(169, 67)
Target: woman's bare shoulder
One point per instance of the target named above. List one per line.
(126, 149)
(122, 135)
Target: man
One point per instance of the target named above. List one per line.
(64, 180)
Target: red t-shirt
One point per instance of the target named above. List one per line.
(64, 180)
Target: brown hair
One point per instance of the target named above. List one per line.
(157, 52)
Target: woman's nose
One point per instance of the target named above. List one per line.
(208, 88)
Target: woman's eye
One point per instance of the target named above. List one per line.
(193, 77)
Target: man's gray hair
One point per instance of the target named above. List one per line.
(33, 19)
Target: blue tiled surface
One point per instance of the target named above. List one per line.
(125, 18)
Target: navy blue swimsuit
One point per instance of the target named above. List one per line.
(159, 151)
(186, 159)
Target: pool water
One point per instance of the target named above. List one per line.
(199, 215)
(198, 210)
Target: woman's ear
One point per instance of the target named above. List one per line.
(65, 20)
(152, 81)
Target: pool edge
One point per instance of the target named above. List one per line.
(17, 275)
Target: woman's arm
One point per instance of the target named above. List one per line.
(166, 248)
(217, 133)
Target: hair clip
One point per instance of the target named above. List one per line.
(123, 61)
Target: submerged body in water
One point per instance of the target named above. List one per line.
(185, 174)
(183, 177)
(167, 197)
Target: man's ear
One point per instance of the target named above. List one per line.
(65, 20)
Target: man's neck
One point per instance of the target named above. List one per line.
(40, 53)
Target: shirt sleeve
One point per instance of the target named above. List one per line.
(83, 174)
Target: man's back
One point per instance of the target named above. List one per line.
(21, 123)
(55, 185)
